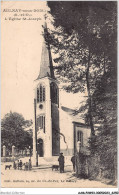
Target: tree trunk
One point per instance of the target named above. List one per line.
(89, 98)
(104, 64)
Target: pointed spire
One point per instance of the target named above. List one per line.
(46, 65)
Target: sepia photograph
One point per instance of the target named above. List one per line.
(59, 94)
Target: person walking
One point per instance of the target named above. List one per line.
(73, 162)
(61, 162)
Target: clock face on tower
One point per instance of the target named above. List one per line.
(41, 106)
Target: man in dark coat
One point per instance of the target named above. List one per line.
(20, 164)
(14, 165)
(61, 162)
(73, 162)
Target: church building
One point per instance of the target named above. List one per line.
(56, 129)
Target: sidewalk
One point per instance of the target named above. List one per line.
(48, 162)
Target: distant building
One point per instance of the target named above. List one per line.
(56, 129)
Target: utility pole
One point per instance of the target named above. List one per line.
(35, 154)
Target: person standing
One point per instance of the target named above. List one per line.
(20, 164)
(17, 165)
(14, 165)
(30, 165)
(73, 162)
(61, 162)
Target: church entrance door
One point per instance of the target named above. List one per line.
(40, 148)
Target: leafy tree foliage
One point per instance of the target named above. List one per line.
(85, 45)
(82, 41)
(13, 132)
(105, 114)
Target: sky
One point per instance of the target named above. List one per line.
(21, 44)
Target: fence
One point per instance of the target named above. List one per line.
(8, 155)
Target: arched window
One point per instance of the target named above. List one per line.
(40, 93)
(54, 93)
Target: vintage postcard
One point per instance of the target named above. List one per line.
(59, 94)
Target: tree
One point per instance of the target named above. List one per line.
(13, 132)
(83, 41)
(105, 113)
(85, 44)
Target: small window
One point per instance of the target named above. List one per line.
(41, 93)
(37, 95)
(41, 122)
(80, 137)
(44, 124)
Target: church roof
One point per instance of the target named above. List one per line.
(71, 113)
(69, 110)
(46, 65)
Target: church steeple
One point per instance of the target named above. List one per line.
(46, 65)
(46, 93)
